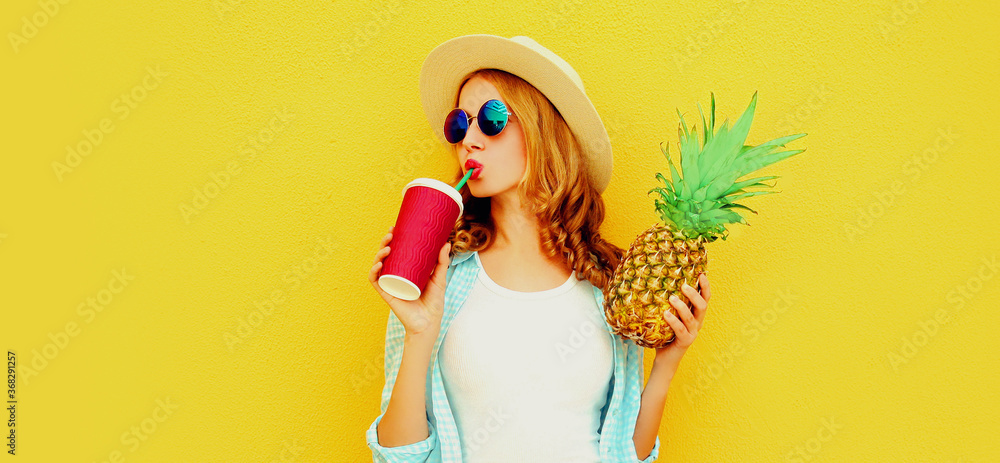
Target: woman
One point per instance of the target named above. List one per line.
(510, 333)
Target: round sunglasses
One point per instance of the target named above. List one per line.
(492, 118)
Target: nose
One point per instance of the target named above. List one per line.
(474, 138)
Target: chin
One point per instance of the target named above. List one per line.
(480, 192)
(476, 192)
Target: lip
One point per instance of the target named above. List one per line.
(474, 164)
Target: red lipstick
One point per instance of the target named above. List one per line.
(474, 164)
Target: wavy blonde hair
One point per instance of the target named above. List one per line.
(555, 187)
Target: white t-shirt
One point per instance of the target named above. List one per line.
(527, 373)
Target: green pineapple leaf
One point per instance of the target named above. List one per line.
(700, 199)
(689, 156)
(766, 160)
(673, 171)
(669, 186)
(738, 206)
(750, 183)
(722, 214)
(752, 193)
(712, 127)
(705, 129)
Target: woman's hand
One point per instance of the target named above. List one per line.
(687, 326)
(425, 313)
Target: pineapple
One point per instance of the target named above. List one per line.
(694, 211)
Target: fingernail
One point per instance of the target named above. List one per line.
(686, 286)
(673, 297)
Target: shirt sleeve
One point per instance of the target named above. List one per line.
(655, 453)
(417, 451)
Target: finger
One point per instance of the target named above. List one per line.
(385, 240)
(683, 311)
(706, 289)
(377, 265)
(381, 254)
(443, 259)
(373, 275)
(697, 301)
(436, 285)
(674, 322)
(442, 267)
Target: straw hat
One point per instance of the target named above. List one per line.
(449, 62)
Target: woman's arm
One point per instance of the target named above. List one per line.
(654, 395)
(405, 418)
(654, 398)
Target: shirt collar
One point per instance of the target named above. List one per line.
(460, 257)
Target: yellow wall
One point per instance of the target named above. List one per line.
(881, 225)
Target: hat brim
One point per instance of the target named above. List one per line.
(446, 65)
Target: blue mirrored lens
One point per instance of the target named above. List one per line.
(492, 117)
(455, 126)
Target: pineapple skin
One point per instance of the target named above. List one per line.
(655, 266)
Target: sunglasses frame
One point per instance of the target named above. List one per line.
(479, 120)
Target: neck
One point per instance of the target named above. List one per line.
(517, 230)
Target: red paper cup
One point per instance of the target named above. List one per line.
(428, 214)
